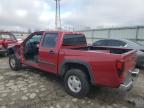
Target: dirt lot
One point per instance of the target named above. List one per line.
(30, 88)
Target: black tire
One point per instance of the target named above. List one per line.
(85, 85)
(16, 65)
(140, 66)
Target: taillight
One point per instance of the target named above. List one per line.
(1, 46)
(120, 67)
(4, 44)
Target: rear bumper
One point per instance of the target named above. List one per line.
(131, 77)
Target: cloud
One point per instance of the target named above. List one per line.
(21, 13)
(40, 14)
(1, 9)
(108, 13)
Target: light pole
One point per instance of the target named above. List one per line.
(58, 15)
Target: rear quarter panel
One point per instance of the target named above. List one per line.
(102, 64)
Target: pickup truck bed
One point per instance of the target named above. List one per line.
(99, 57)
(104, 49)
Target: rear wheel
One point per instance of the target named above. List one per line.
(76, 83)
(14, 63)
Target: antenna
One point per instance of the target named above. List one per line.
(58, 15)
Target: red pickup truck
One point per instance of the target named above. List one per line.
(7, 39)
(66, 54)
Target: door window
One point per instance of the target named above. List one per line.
(34, 39)
(50, 40)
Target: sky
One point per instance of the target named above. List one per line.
(77, 14)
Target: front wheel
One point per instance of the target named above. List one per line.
(76, 83)
(14, 63)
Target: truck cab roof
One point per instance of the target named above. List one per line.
(56, 31)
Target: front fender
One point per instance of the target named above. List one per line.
(11, 50)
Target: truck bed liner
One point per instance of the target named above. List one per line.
(105, 49)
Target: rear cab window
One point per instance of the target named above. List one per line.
(74, 40)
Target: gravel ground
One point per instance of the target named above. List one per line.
(31, 88)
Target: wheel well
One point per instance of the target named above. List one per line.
(10, 51)
(82, 67)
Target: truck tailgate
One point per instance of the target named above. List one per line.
(130, 61)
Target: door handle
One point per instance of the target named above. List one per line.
(51, 52)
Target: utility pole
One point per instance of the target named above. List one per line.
(58, 15)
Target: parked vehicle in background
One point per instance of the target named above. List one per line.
(124, 43)
(21, 36)
(7, 39)
(66, 54)
(19, 41)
